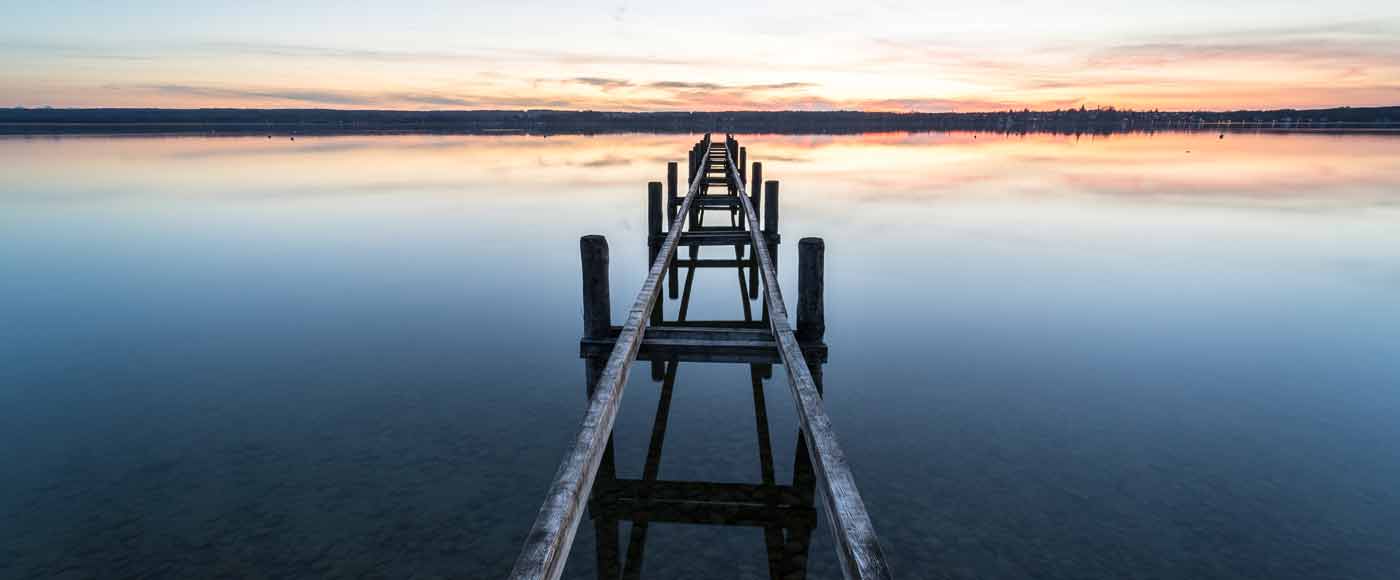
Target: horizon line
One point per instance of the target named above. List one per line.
(1108, 108)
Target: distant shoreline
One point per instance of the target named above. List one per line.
(339, 121)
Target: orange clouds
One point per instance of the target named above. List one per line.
(1357, 65)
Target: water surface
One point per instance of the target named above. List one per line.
(1134, 356)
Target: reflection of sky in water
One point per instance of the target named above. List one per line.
(1084, 357)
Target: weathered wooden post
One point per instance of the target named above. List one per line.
(672, 204)
(672, 199)
(755, 200)
(690, 167)
(597, 323)
(770, 208)
(770, 219)
(743, 162)
(654, 239)
(653, 211)
(811, 289)
(597, 305)
(811, 302)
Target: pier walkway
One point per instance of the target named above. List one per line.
(716, 188)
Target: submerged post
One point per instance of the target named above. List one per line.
(811, 289)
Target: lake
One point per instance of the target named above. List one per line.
(1168, 355)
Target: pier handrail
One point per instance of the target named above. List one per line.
(547, 545)
(858, 549)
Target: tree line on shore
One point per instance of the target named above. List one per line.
(1108, 119)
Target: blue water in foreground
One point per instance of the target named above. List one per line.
(1051, 357)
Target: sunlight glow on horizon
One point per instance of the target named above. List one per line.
(786, 56)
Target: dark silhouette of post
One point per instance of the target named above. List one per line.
(811, 290)
(597, 305)
(654, 208)
(690, 166)
(755, 199)
(597, 322)
(673, 201)
(770, 208)
(654, 237)
(811, 298)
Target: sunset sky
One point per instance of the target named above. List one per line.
(716, 55)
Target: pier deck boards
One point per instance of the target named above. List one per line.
(822, 470)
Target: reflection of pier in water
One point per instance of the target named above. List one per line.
(786, 513)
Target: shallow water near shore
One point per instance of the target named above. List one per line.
(1166, 355)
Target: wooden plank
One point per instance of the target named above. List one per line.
(717, 514)
(857, 546)
(725, 228)
(711, 263)
(551, 537)
(724, 238)
(712, 351)
(713, 323)
(718, 201)
(702, 491)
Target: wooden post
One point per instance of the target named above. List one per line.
(770, 224)
(654, 244)
(673, 201)
(755, 199)
(743, 162)
(597, 306)
(654, 238)
(770, 207)
(811, 313)
(756, 190)
(654, 209)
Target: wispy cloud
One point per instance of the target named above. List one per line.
(1229, 66)
(604, 83)
(321, 97)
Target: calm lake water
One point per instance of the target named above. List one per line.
(1135, 356)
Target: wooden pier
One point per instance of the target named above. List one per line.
(715, 183)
